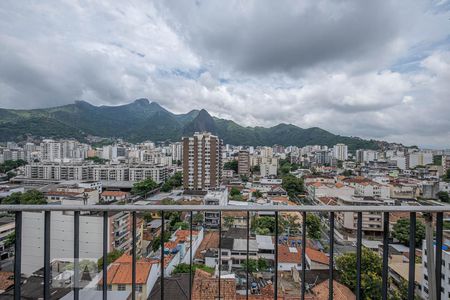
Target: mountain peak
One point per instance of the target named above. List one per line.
(202, 122)
(142, 101)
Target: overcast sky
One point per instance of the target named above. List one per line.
(374, 69)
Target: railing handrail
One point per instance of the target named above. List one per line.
(211, 208)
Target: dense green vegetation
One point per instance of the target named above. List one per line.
(156, 243)
(184, 268)
(286, 166)
(292, 185)
(143, 187)
(110, 257)
(443, 196)
(173, 182)
(97, 160)
(255, 265)
(28, 197)
(400, 231)
(231, 165)
(141, 120)
(313, 226)
(235, 194)
(10, 165)
(371, 267)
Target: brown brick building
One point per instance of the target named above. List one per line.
(202, 162)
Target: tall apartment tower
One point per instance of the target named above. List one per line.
(340, 151)
(202, 162)
(243, 163)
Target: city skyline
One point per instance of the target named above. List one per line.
(360, 69)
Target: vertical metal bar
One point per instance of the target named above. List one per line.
(384, 277)
(412, 255)
(275, 292)
(438, 264)
(190, 255)
(18, 255)
(331, 275)
(358, 256)
(133, 257)
(47, 271)
(76, 255)
(248, 246)
(304, 256)
(162, 255)
(220, 250)
(105, 256)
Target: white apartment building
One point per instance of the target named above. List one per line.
(419, 159)
(217, 197)
(177, 151)
(445, 280)
(340, 152)
(268, 169)
(363, 156)
(90, 172)
(51, 150)
(61, 236)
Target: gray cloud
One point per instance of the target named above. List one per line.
(310, 63)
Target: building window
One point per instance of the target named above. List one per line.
(109, 287)
(139, 288)
(121, 287)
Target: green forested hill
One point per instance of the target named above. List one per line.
(143, 120)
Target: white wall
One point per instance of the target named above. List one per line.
(61, 238)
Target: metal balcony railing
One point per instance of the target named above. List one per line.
(331, 210)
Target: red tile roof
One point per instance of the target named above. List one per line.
(340, 291)
(120, 271)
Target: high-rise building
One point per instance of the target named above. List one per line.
(202, 161)
(177, 151)
(243, 163)
(51, 150)
(340, 151)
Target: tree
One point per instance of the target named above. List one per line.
(371, 267)
(110, 257)
(10, 175)
(156, 243)
(198, 218)
(10, 240)
(231, 165)
(143, 187)
(257, 194)
(443, 196)
(347, 173)
(244, 178)
(181, 225)
(447, 176)
(251, 264)
(184, 268)
(10, 165)
(256, 169)
(148, 217)
(97, 160)
(29, 197)
(255, 265)
(174, 181)
(234, 191)
(228, 221)
(313, 226)
(400, 231)
(292, 185)
(266, 224)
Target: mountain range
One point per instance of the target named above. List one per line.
(144, 120)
